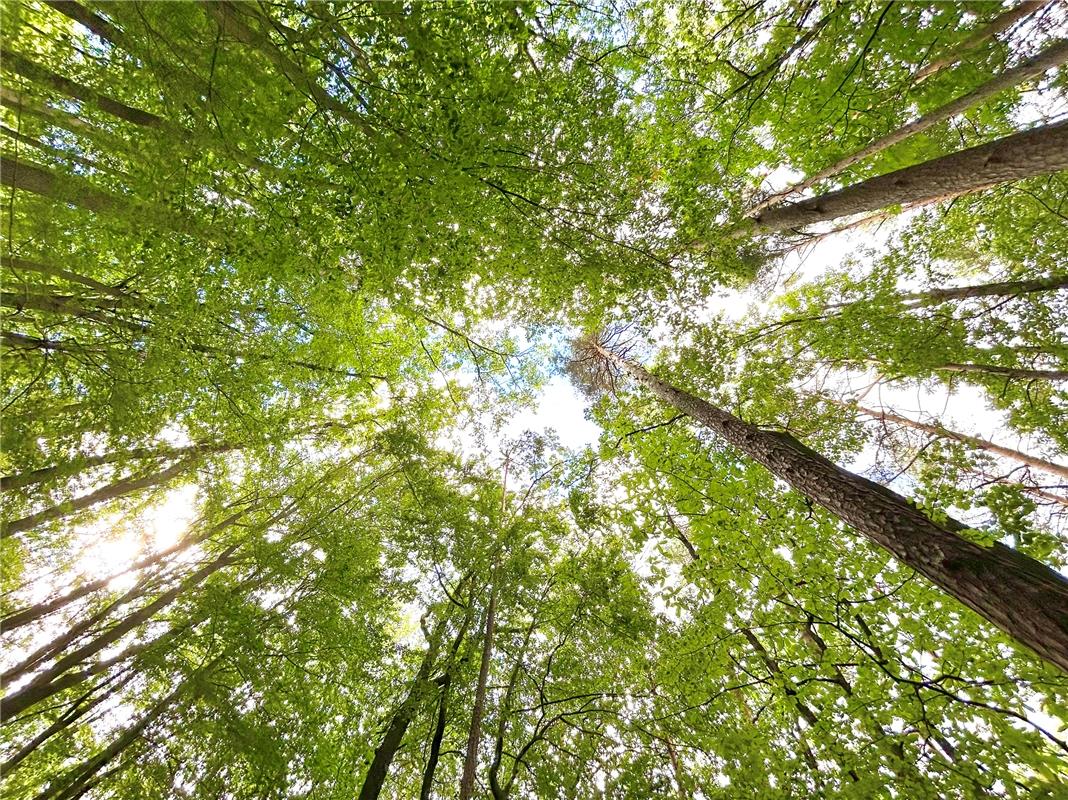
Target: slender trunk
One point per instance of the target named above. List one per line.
(1007, 372)
(398, 724)
(120, 488)
(20, 341)
(33, 179)
(35, 73)
(467, 781)
(15, 263)
(78, 779)
(1051, 57)
(76, 466)
(33, 613)
(78, 709)
(1024, 598)
(427, 785)
(1038, 151)
(503, 717)
(45, 684)
(974, 441)
(1004, 20)
(228, 18)
(94, 22)
(933, 297)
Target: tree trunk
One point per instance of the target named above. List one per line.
(23, 479)
(467, 781)
(33, 179)
(1004, 20)
(15, 263)
(1007, 372)
(33, 613)
(974, 441)
(94, 22)
(1001, 289)
(1021, 596)
(120, 488)
(1051, 57)
(77, 780)
(46, 684)
(427, 785)
(398, 724)
(1038, 151)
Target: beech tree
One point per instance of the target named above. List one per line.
(297, 500)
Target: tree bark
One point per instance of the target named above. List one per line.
(427, 785)
(1007, 372)
(77, 780)
(33, 613)
(24, 479)
(1024, 598)
(1004, 20)
(467, 780)
(1038, 151)
(33, 179)
(1051, 57)
(974, 441)
(119, 488)
(15, 263)
(398, 724)
(1000, 289)
(92, 21)
(47, 683)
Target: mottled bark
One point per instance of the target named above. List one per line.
(1038, 151)
(1001, 22)
(1051, 57)
(1024, 598)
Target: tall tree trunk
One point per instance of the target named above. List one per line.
(427, 785)
(94, 22)
(78, 779)
(1051, 57)
(34, 179)
(467, 780)
(33, 613)
(974, 441)
(120, 488)
(1001, 22)
(24, 264)
(1038, 151)
(1007, 372)
(31, 477)
(401, 719)
(48, 682)
(933, 297)
(1019, 595)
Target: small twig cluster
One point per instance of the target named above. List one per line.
(592, 367)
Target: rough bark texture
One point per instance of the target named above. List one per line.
(1021, 596)
(1051, 57)
(1001, 22)
(1038, 151)
(974, 441)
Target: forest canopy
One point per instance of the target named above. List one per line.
(598, 399)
